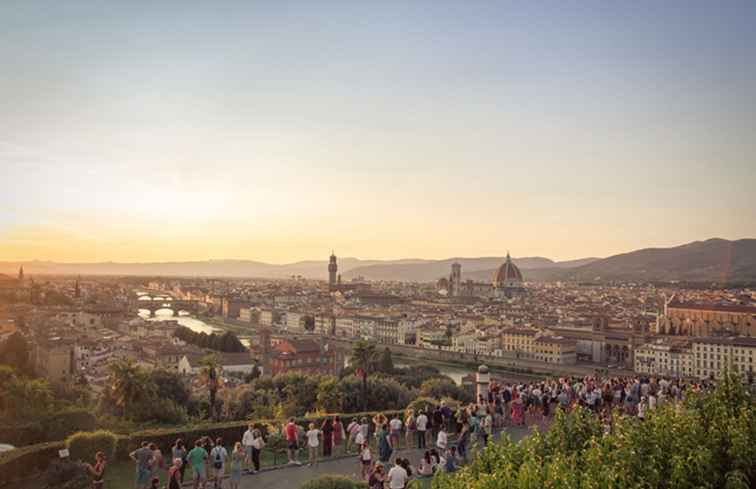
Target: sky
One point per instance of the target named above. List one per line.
(278, 131)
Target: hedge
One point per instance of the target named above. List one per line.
(22, 462)
(84, 445)
(25, 461)
(55, 427)
(333, 482)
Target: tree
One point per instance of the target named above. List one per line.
(24, 398)
(363, 361)
(329, 397)
(170, 385)
(130, 386)
(386, 364)
(210, 375)
(15, 352)
(439, 388)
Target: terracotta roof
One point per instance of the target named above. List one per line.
(712, 307)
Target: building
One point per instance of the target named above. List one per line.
(715, 355)
(508, 280)
(332, 270)
(305, 356)
(687, 319)
(55, 359)
(665, 357)
(15, 289)
(555, 349)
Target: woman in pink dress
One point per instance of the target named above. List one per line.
(518, 411)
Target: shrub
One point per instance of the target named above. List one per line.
(22, 434)
(22, 462)
(60, 425)
(423, 404)
(333, 482)
(84, 445)
(65, 474)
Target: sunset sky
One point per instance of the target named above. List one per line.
(277, 131)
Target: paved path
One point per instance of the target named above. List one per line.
(293, 477)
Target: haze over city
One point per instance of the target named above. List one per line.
(280, 131)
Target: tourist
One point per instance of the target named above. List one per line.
(359, 439)
(179, 452)
(327, 431)
(352, 429)
(487, 427)
(410, 426)
(518, 411)
(247, 438)
(338, 434)
(257, 445)
(397, 476)
(291, 442)
(207, 444)
(143, 458)
(395, 430)
(364, 428)
(384, 444)
(158, 463)
(426, 465)
(437, 419)
(642, 408)
(197, 457)
(97, 471)
(463, 440)
(442, 439)
(313, 442)
(377, 477)
(155, 483)
(447, 415)
(451, 460)
(174, 474)
(421, 424)
(218, 456)
(238, 456)
(366, 460)
(404, 462)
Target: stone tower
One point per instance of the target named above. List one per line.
(21, 274)
(483, 378)
(456, 280)
(332, 269)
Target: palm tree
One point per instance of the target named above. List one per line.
(125, 387)
(363, 360)
(210, 373)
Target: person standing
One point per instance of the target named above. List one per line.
(179, 452)
(174, 474)
(410, 426)
(397, 476)
(257, 445)
(291, 440)
(97, 471)
(377, 477)
(218, 456)
(313, 442)
(352, 430)
(197, 457)
(442, 439)
(395, 430)
(422, 425)
(384, 444)
(238, 457)
(247, 438)
(158, 463)
(366, 460)
(338, 434)
(143, 458)
(327, 430)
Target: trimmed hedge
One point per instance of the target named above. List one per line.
(25, 461)
(333, 482)
(55, 427)
(22, 462)
(84, 445)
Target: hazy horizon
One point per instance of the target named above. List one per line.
(277, 132)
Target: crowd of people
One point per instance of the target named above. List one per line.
(440, 437)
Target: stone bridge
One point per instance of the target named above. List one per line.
(156, 303)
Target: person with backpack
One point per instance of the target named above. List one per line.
(179, 452)
(410, 426)
(218, 456)
(174, 474)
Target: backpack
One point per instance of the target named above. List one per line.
(218, 464)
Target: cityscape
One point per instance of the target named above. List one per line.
(415, 246)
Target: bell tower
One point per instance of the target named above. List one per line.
(332, 269)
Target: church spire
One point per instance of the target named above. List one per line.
(21, 273)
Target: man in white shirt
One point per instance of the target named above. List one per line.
(247, 444)
(395, 430)
(397, 477)
(422, 425)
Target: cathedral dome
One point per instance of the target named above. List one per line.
(442, 283)
(508, 275)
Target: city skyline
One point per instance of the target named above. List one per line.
(430, 130)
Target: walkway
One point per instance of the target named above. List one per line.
(293, 477)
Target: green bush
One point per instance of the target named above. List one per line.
(333, 482)
(23, 434)
(65, 474)
(23, 462)
(84, 445)
(60, 425)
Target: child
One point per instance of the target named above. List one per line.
(313, 442)
(366, 460)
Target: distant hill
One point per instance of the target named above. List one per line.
(713, 260)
